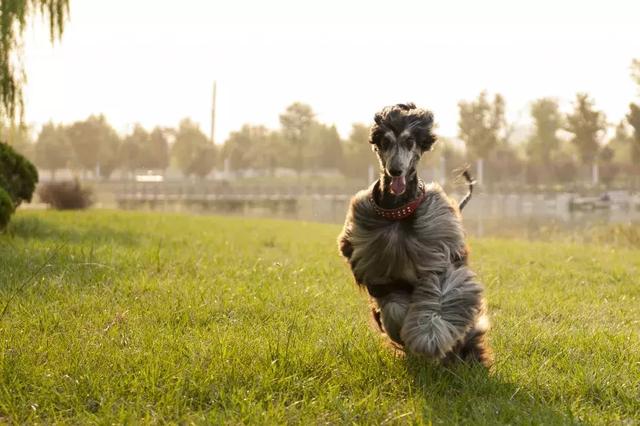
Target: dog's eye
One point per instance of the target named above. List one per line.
(384, 143)
(410, 141)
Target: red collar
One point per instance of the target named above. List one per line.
(400, 212)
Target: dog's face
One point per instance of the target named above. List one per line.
(400, 135)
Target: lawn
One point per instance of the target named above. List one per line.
(139, 317)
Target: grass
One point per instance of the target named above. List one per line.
(153, 318)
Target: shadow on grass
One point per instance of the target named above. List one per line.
(37, 228)
(469, 394)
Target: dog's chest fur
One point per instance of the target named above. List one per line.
(387, 251)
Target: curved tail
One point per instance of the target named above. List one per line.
(467, 197)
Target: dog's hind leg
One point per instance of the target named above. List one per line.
(442, 311)
(474, 347)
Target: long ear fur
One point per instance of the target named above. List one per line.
(425, 137)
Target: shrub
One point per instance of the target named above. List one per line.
(69, 195)
(6, 208)
(18, 177)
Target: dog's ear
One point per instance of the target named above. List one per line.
(424, 130)
(374, 134)
(378, 118)
(378, 129)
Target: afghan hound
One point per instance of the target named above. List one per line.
(405, 243)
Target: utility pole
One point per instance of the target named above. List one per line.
(213, 112)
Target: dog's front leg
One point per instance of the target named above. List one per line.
(346, 250)
(345, 246)
(344, 239)
(393, 311)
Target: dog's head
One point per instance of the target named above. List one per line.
(400, 135)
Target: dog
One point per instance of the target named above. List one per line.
(405, 243)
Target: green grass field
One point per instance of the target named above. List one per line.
(153, 318)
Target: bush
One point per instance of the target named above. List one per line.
(69, 195)
(6, 208)
(18, 177)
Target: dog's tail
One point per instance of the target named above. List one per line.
(470, 182)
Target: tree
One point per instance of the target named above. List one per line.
(18, 177)
(359, 156)
(296, 122)
(144, 150)
(205, 160)
(254, 147)
(16, 172)
(454, 159)
(504, 163)
(192, 151)
(547, 121)
(544, 143)
(135, 150)
(325, 148)
(269, 152)
(13, 20)
(608, 169)
(95, 145)
(606, 154)
(108, 149)
(621, 135)
(482, 127)
(129, 153)
(587, 125)
(620, 143)
(565, 168)
(52, 149)
(239, 149)
(482, 124)
(634, 120)
(158, 150)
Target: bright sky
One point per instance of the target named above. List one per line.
(154, 61)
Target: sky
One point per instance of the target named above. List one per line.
(154, 61)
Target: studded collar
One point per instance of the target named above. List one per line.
(402, 212)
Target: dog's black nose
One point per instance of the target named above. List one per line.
(395, 172)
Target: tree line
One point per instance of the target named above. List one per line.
(94, 148)
(562, 146)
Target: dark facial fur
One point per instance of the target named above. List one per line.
(400, 135)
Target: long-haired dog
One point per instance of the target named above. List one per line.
(405, 243)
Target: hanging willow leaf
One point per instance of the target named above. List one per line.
(13, 20)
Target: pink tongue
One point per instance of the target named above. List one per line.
(398, 185)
